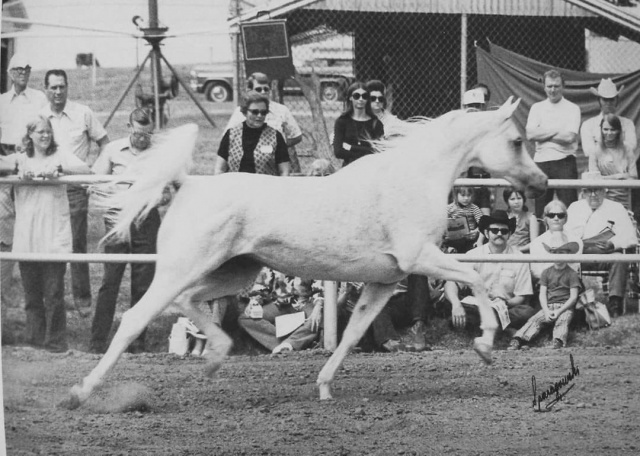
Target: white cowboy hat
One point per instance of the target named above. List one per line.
(472, 97)
(606, 89)
(18, 61)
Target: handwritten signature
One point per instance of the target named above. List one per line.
(554, 389)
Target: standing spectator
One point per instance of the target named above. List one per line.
(604, 227)
(506, 282)
(526, 223)
(378, 97)
(591, 131)
(75, 127)
(474, 99)
(553, 125)
(356, 126)
(484, 88)
(17, 107)
(115, 159)
(278, 117)
(43, 226)
(613, 158)
(559, 288)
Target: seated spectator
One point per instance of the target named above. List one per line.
(278, 295)
(43, 225)
(555, 219)
(379, 103)
(116, 157)
(604, 227)
(613, 159)
(526, 222)
(559, 289)
(508, 283)
(462, 207)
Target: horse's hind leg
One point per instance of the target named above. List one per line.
(372, 300)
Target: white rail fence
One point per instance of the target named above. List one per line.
(331, 288)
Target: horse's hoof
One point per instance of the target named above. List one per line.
(72, 401)
(483, 350)
(214, 362)
(325, 392)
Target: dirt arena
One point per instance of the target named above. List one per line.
(432, 403)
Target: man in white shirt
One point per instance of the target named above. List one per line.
(610, 224)
(17, 107)
(278, 117)
(553, 125)
(608, 97)
(75, 127)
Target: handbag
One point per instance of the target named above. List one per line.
(596, 313)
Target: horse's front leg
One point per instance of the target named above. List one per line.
(372, 300)
(432, 262)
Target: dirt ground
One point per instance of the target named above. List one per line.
(431, 403)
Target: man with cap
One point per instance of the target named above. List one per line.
(553, 124)
(473, 99)
(75, 128)
(608, 97)
(17, 107)
(604, 227)
(506, 282)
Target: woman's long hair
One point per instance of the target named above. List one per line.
(27, 142)
(348, 112)
(616, 124)
(510, 191)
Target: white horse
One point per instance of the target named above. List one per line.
(375, 221)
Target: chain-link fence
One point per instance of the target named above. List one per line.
(427, 60)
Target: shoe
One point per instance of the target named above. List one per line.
(282, 348)
(418, 332)
(557, 344)
(394, 346)
(514, 345)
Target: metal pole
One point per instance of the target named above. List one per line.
(155, 64)
(330, 315)
(126, 91)
(463, 56)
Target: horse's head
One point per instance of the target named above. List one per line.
(502, 153)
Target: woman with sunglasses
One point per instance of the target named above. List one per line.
(356, 126)
(555, 218)
(613, 159)
(377, 97)
(253, 146)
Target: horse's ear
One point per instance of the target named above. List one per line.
(508, 108)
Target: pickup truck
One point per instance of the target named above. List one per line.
(216, 81)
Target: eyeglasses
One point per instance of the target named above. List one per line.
(21, 70)
(499, 230)
(374, 99)
(592, 191)
(356, 95)
(263, 89)
(141, 134)
(558, 215)
(261, 112)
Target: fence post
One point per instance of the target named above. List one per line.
(330, 315)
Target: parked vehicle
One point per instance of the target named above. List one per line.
(216, 81)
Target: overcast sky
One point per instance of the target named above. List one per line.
(56, 47)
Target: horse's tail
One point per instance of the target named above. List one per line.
(167, 161)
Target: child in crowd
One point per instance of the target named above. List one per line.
(462, 207)
(559, 290)
(526, 222)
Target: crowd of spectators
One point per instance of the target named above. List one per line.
(45, 135)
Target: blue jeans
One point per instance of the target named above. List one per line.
(143, 240)
(558, 169)
(44, 304)
(79, 208)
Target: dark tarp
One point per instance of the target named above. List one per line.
(507, 73)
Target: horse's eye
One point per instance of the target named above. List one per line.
(517, 143)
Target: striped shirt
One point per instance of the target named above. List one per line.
(471, 212)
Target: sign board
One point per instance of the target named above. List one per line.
(267, 49)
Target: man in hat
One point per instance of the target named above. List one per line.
(608, 97)
(75, 128)
(553, 124)
(604, 227)
(506, 282)
(17, 107)
(473, 99)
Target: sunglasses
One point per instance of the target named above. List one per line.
(255, 112)
(380, 99)
(264, 89)
(356, 96)
(558, 215)
(21, 70)
(499, 230)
